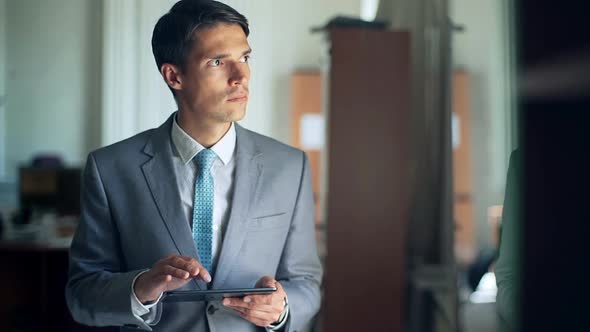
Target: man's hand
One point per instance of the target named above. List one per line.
(261, 310)
(169, 273)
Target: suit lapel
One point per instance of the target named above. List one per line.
(248, 175)
(161, 178)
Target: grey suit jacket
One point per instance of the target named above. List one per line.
(131, 218)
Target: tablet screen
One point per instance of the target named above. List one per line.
(213, 294)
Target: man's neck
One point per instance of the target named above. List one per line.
(206, 134)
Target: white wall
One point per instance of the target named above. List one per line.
(52, 79)
(154, 94)
(135, 97)
(482, 50)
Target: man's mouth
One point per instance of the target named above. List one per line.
(239, 98)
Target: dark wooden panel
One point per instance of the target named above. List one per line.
(367, 192)
(32, 284)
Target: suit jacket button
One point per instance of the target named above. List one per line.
(211, 309)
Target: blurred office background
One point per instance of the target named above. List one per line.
(433, 95)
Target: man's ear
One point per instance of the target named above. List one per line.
(172, 76)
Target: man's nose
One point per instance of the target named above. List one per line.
(240, 74)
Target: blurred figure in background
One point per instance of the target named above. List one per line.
(508, 263)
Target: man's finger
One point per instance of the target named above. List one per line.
(203, 274)
(163, 278)
(175, 272)
(180, 263)
(183, 263)
(172, 256)
(237, 303)
(260, 311)
(279, 287)
(266, 281)
(258, 299)
(169, 257)
(277, 296)
(191, 266)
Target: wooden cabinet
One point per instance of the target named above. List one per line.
(306, 107)
(368, 126)
(462, 170)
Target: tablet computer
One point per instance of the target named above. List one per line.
(213, 294)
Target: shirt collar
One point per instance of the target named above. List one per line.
(188, 148)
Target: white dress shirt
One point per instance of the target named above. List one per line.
(223, 169)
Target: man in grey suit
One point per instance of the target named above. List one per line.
(197, 203)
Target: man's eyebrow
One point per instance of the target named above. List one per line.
(227, 55)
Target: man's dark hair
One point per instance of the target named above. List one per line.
(173, 35)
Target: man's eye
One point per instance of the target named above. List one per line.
(245, 58)
(215, 63)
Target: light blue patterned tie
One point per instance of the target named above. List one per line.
(203, 207)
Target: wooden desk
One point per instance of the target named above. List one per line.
(32, 284)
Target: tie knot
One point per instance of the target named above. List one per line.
(205, 159)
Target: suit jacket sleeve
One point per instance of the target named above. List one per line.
(98, 288)
(300, 271)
